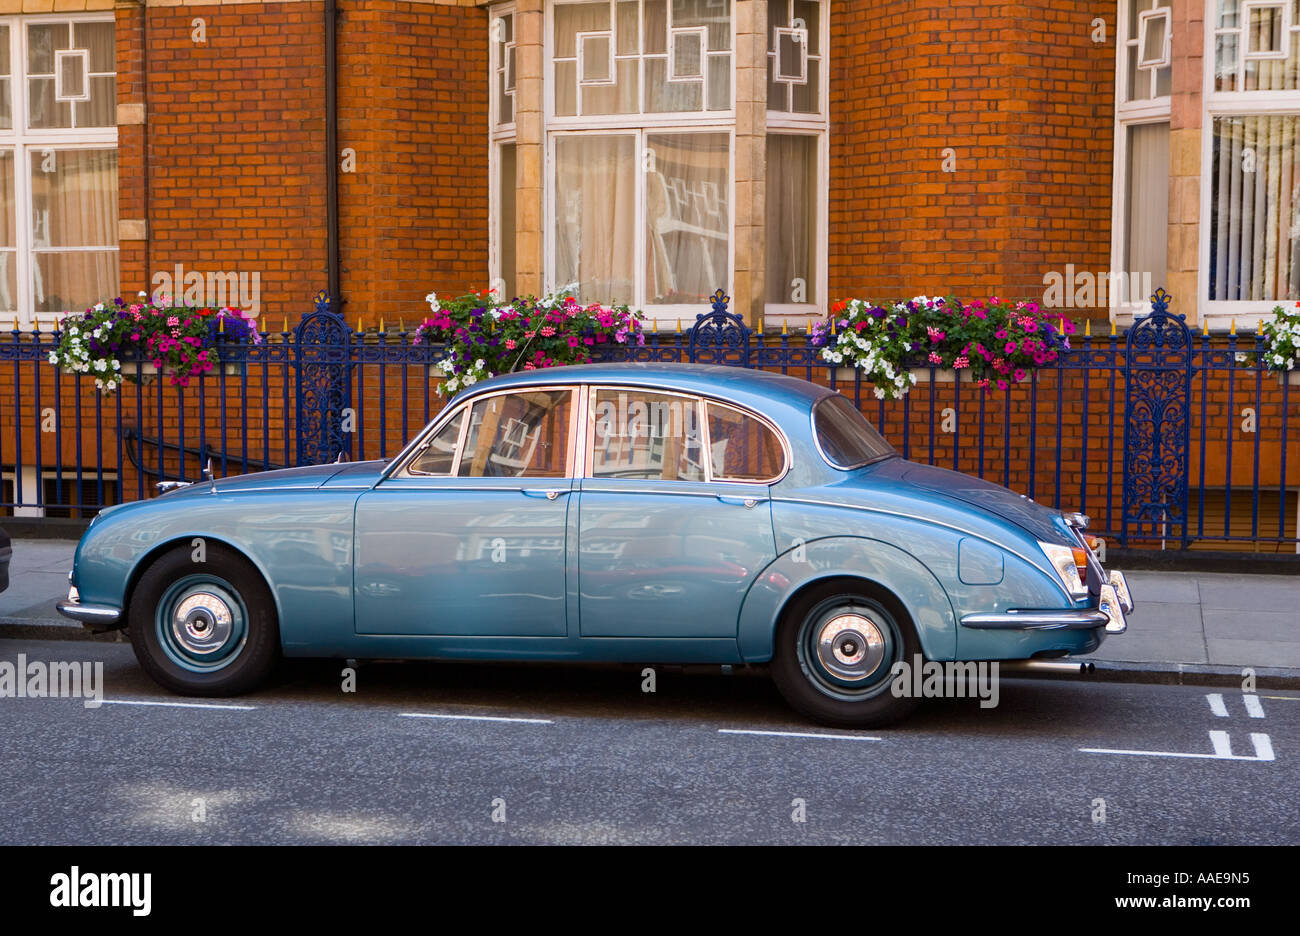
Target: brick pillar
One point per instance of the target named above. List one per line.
(132, 197)
(530, 142)
(1185, 157)
(749, 211)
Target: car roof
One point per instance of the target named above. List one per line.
(742, 384)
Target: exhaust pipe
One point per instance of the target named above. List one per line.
(1047, 667)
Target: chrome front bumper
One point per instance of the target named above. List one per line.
(94, 616)
(1111, 613)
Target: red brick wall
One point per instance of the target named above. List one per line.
(1022, 96)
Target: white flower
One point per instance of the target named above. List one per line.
(1278, 360)
(111, 386)
(432, 299)
(100, 365)
(117, 365)
(880, 394)
(54, 357)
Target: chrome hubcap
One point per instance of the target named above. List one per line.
(202, 623)
(850, 646)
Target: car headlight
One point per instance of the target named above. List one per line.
(1071, 564)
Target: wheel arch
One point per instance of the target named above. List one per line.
(186, 542)
(872, 565)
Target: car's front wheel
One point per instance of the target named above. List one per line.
(835, 651)
(207, 627)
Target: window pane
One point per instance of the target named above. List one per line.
(43, 40)
(791, 218)
(74, 198)
(595, 217)
(73, 281)
(101, 109)
(1148, 205)
(44, 111)
(712, 14)
(438, 458)
(506, 221)
(807, 96)
(646, 437)
(518, 435)
(98, 38)
(688, 218)
(8, 255)
(1255, 223)
(742, 448)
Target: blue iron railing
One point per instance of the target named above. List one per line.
(1158, 433)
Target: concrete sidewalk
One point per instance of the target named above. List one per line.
(1185, 623)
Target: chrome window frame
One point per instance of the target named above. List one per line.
(402, 463)
(702, 402)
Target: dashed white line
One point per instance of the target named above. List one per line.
(798, 734)
(490, 718)
(1219, 740)
(1253, 706)
(1216, 704)
(203, 705)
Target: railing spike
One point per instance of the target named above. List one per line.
(1087, 328)
(1232, 328)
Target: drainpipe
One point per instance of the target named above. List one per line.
(332, 152)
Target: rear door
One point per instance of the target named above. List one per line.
(671, 533)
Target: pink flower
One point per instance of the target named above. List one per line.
(961, 362)
(935, 334)
(573, 341)
(1002, 385)
(935, 358)
(1020, 374)
(1010, 348)
(510, 344)
(546, 331)
(1000, 334)
(173, 320)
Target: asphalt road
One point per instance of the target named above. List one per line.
(571, 754)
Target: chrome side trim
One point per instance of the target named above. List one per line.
(89, 613)
(1037, 620)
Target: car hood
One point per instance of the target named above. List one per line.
(1044, 523)
(354, 474)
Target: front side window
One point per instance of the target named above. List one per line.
(58, 165)
(438, 457)
(640, 137)
(518, 435)
(1253, 118)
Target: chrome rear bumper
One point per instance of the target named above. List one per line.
(1111, 613)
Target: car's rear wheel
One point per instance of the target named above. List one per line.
(836, 647)
(204, 628)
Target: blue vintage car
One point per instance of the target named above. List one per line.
(657, 513)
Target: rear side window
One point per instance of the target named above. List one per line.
(646, 436)
(742, 447)
(846, 439)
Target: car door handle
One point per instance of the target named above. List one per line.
(549, 495)
(749, 502)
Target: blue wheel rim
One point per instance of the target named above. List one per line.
(201, 623)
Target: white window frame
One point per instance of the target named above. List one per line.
(1129, 114)
(28, 145)
(1166, 47)
(1243, 48)
(817, 125)
(1248, 313)
(639, 125)
(701, 34)
(498, 135)
(581, 43)
(800, 37)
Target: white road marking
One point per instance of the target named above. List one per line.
(1216, 704)
(798, 734)
(491, 718)
(1253, 706)
(206, 705)
(1218, 740)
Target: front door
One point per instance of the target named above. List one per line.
(469, 537)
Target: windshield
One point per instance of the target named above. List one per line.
(846, 439)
